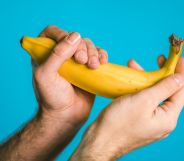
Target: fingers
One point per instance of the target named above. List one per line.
(93, 60)
(180, 66)
(86, 52)
(175, 103)
(161, 60)
(81, 53)
(54, 33)
(103, 56)
(164, 89)
(87, 49)
(62, 51)
(133, 64)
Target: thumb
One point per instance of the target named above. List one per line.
(165, 88)
(64, 50)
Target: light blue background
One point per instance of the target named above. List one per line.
(125, 28)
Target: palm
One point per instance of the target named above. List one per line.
(81, 101)
(58, 94)
(84, 103)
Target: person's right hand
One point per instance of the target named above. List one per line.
(135, 120)
(59, 99)
(63, 107)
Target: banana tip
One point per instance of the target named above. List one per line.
(21, 40)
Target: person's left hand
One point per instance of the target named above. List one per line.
(134, 120)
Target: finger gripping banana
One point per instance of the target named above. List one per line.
(109, 80)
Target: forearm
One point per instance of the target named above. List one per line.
(92, 148)
(41, 139)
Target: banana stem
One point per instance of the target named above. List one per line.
(175, 53)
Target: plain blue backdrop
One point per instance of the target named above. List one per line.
(125, 28)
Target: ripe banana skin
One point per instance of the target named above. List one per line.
(109, 80)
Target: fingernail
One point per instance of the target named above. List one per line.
(102, 56)
(179, 78)
(81, 55)
(93, 60)
(73, 38)
(103, 59)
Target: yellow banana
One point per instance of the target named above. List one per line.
(109, 80)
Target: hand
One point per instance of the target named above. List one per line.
(56, 96)
(135, 120)
(63, 107)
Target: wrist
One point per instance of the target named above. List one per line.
(55, 119)
(63, 115)
(92, 147)
(56, 132)
(99, 144)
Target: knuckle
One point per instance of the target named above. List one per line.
(61, 34)
(173, 82)
(86, 39)
(178, 78)
(92, 52)
(103, 50)
(88, 42)
(143, 96)
(92, 47)
(51, 27)
(82, 45)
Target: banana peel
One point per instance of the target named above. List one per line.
(109, 80)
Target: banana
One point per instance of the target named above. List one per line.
(109, 80)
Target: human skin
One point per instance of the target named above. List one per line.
(63, 108)
(134, 120)
(61, 96)
(57, 121)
